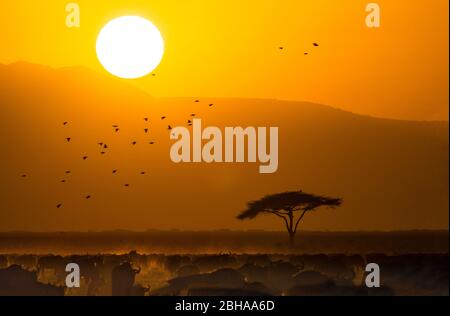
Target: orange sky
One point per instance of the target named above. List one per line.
(392, 175)
(229, 49)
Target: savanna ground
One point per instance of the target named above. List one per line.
(224, 263)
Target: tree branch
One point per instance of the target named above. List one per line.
(298, 220)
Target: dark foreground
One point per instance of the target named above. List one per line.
(223, 263)
(135, 274)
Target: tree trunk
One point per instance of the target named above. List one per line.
(291, 239)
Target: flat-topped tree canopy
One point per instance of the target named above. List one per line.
(287, 202)
(286, 205)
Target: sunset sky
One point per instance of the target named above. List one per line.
(392, 174)
(230, 49)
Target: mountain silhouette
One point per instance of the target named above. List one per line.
(391, 174)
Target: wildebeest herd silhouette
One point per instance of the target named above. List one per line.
(134, 274)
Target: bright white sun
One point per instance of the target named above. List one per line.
(130, 47)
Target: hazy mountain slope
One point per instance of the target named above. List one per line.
(391, 174)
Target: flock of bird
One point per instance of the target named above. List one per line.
(103, 146)
(305, 53)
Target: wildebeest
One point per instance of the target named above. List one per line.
(15, 281)
(3, 262)
(123, 277)
(54, 266)
(254, 273)
(210, 263)
(222, 278)
(187, 270)
(90, 268)
(27, 262)
(173, 263)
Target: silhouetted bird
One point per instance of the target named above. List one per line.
(105, 146)
(59, 206)
(163, 117)
(211, 104)
(281, 48)
(117, 129)
(88, 197)
(152, 143)
(68, 171)
(169, 128)
(134, 143)
(63, 181)
(315, 44)
(143, 172)
(192, 115)
(85, 157)
(24, 176)
(153, 75)
(197, 101)
(146, 130)
(114, 126)
(65, 123)
(100, 144)
(114, 171)
(127, 185)
(189, 121)
(305, 53)
(68, 139)
(102, 153)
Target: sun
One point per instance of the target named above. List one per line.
(130, 47)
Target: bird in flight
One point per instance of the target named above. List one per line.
(169, 128)
(88, 197)
(143, 172)
(197, 101)
(193, 115)
(59, 206)
(315, 44)
(146, 119)
(85, 157)
(146, 130)
(114, 171)
(211, 104)
(281, 48)
(152, 143)
(68, 139)
(163, 117)
(127, 185)
(65, 123)
(134, 143)
(24, 176)
(117, 129)
(63, 181)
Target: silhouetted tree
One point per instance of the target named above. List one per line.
(286, 206)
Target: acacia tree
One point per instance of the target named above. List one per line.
(291, 207)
